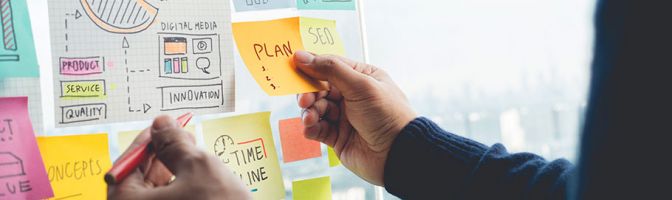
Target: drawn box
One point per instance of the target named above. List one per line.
(10, 165)
(189, 56)
(81, 66)
(83, 113)
(191, 97)
(83, 88)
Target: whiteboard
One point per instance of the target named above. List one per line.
(249, 97)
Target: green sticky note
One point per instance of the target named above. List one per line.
(326, 4)
(321, 37)
(333, 158)
(17, 50)
(312, 189)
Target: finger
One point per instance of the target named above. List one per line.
(326, 110)
(321, 110)
(306, 100)
(157, 173)
(310, 117)
(323, 132)
(366, 69)
(132, 186)
(173, 145)
(334, 94)
(322, 94)
(345, 132)
(334, 69)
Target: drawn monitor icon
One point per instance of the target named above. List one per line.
(120, 16)
(175, 45)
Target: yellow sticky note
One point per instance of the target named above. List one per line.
(333, 158)
(126, 137)
(76, 165)
(245, 144)
(321, 37)
(267, 48)
(312, 189)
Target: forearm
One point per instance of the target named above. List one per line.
(428, 162)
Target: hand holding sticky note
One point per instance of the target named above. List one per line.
(268, 47)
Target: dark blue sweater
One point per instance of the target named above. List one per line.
(426, 163)
(625, 143)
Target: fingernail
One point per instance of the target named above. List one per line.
(304, 57)
(163, 123)
(303, 115)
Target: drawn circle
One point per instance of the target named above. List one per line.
(203, 63)
(202, 45)
(221, 143)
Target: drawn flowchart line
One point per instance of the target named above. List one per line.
(144, 108)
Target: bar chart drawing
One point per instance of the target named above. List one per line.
(8, 32)
(179, 52)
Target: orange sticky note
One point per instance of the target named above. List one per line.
(295, 146)
(267, 48)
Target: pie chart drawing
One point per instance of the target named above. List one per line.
(120, 16)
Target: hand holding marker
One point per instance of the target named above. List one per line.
(129, 162)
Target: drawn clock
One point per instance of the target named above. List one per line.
(221, 143)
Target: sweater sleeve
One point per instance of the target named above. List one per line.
(426, 162)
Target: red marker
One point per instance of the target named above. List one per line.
(129, 162)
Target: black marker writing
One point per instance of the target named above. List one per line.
(277, 51)
(74, 170)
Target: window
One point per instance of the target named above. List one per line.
(514, 72)
(509, 71)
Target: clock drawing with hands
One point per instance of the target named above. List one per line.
(220, 146)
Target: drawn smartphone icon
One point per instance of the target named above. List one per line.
(175, 45)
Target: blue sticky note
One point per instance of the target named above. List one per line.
(326, 4)
(17, 50)
(250, 5)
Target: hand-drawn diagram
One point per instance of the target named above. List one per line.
(17, 49)
(120, 16)
(8, 32)
(187, 56)
(126, 62)
(11, 165)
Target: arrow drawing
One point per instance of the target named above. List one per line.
(124, 44)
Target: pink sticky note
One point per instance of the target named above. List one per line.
(295, 146)
(22, 173)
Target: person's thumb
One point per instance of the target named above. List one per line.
(339, 72)
(173, 146)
